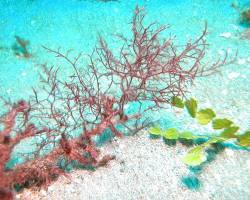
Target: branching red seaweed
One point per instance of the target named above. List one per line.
(69, 112)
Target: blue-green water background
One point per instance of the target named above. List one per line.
(72, 24)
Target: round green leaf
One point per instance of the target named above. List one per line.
(177, 102)
(195, 156)
(244, 140)
(155, 130)
(212, 140)
(191, 106)
(171, 134)
(187, 135)
(221, 123)
(205, 116)
(230, 132)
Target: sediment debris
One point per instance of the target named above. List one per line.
(20, 47)
(244, 12)
(245, 34)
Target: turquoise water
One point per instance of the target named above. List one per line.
(75, 24)
(72, 24)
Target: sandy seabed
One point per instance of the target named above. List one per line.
(146, 169)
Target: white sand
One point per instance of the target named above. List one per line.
(149, 169)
